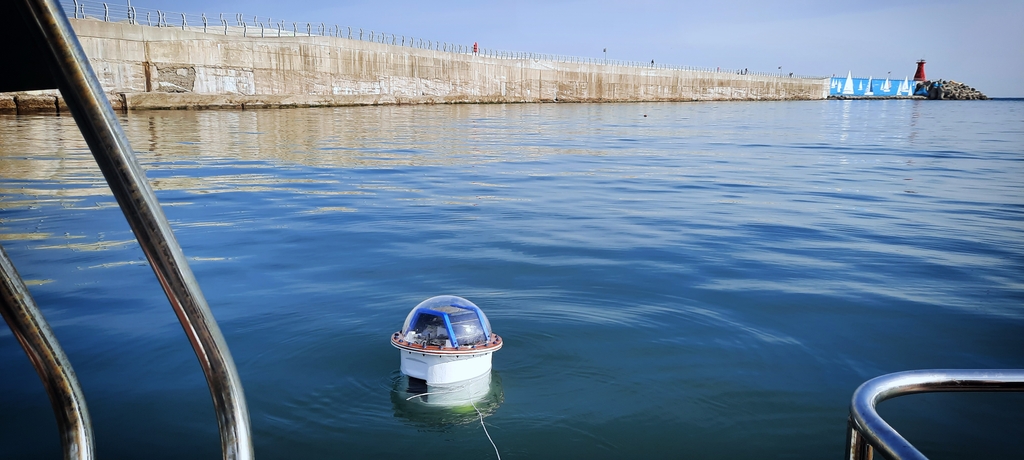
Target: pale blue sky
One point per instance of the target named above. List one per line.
(978, 43)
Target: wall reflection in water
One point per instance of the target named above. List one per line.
(43, 159)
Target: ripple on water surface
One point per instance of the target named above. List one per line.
(712, 280)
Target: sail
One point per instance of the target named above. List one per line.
(904, 89)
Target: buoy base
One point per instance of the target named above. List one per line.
(465, 393)
(444, 369)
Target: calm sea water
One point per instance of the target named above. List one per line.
(711, 280)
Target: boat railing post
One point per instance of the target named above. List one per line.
(35, 336)
(873, 433)
(106, 139)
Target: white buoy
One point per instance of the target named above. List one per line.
(446, 340)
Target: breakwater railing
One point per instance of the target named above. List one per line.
(244, 25)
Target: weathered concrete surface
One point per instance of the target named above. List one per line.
(149, 67)
(7, 104)
(62, 107)
(155, 100)
(35, 103)
(45, 101)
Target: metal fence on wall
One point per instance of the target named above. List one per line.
(243, 25)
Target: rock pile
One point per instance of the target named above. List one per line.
(949, 89)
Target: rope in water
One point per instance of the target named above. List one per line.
(453, 390)
(481, 414)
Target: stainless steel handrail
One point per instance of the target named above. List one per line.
(96, 120)
(32, 331)
(867, 431)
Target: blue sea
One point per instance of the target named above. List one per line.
(673, 280)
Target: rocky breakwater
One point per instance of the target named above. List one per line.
(949, 89)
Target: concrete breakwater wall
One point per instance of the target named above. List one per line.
(144, 67)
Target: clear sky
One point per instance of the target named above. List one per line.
(980, 43)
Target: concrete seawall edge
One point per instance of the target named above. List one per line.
(143, 67)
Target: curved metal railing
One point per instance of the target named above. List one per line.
(56, 60)
(868, 432)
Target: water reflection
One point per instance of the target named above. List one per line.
(44, 159)
(445, 405)
(706, 273)
(342, 137)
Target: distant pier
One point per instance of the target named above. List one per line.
(150, 67)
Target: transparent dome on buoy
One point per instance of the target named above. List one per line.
(446, 321)
(445, 340)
